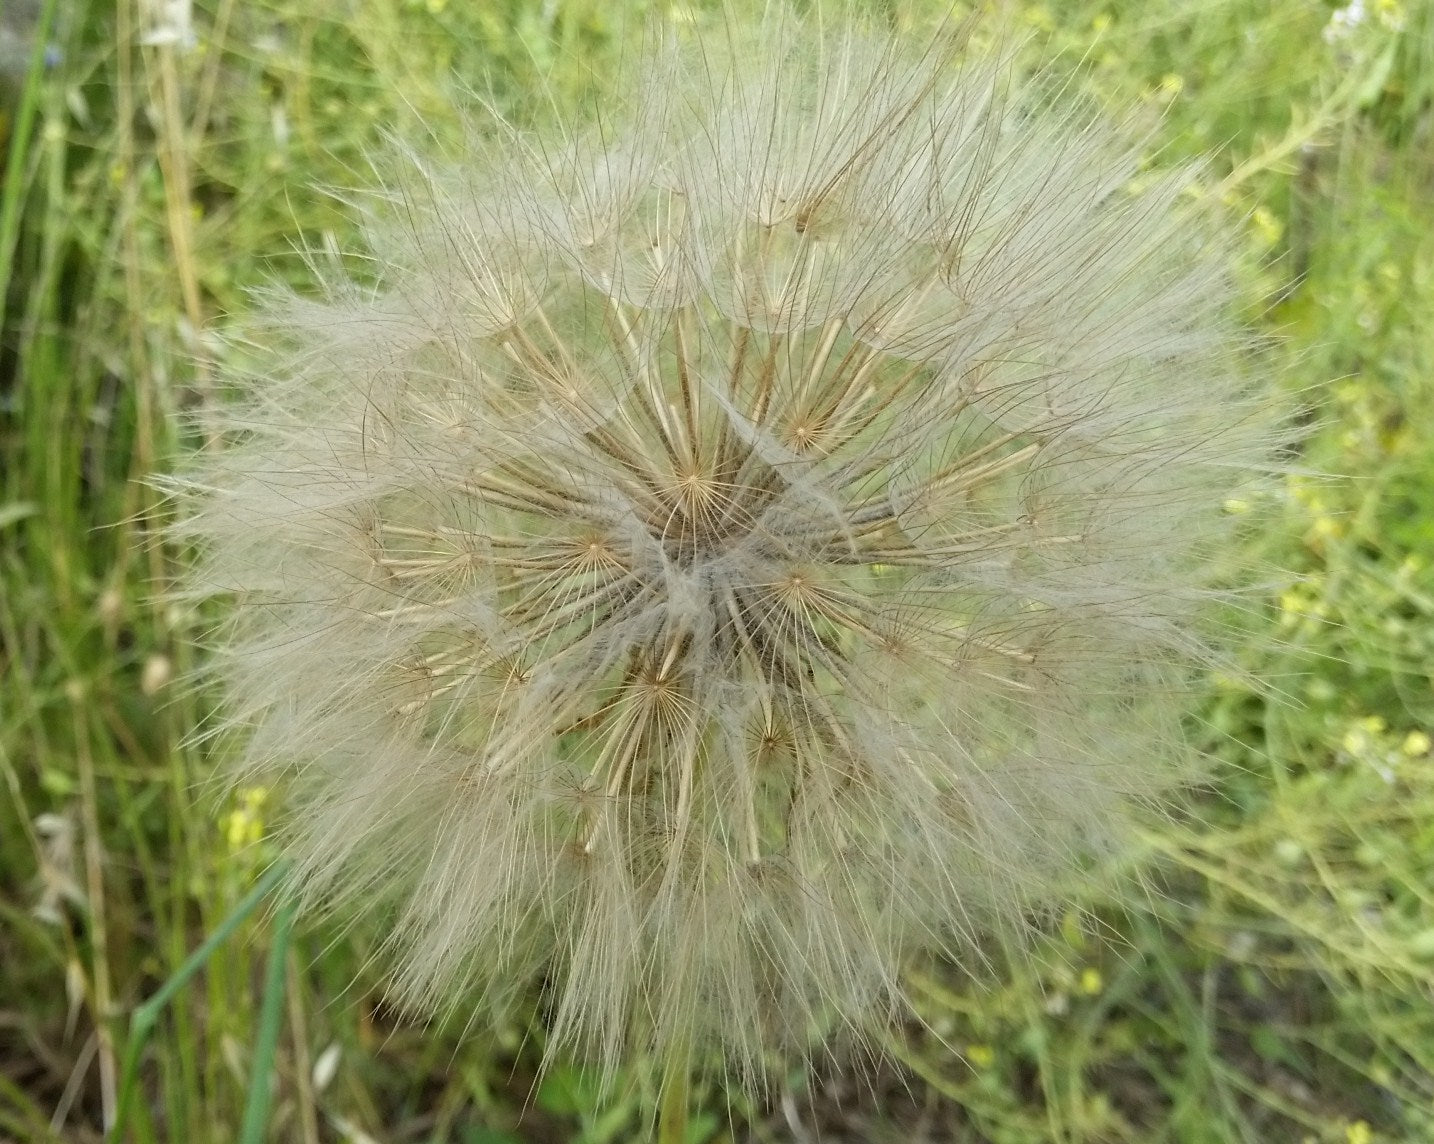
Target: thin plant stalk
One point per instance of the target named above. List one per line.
(271, 1015)
(145, 1016)
(676, 1101)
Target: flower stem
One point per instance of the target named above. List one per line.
(672, 1113)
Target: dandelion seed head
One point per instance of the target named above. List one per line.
(735, 549)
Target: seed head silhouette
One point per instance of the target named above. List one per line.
(736, 546)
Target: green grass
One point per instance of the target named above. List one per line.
(1265, 978)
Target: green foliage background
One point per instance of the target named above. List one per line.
(1267, 977)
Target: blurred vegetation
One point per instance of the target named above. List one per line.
(1266, 977)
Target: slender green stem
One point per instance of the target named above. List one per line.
(13, 190)
(271, 1016)
(145, 1016)
(672, 1113)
